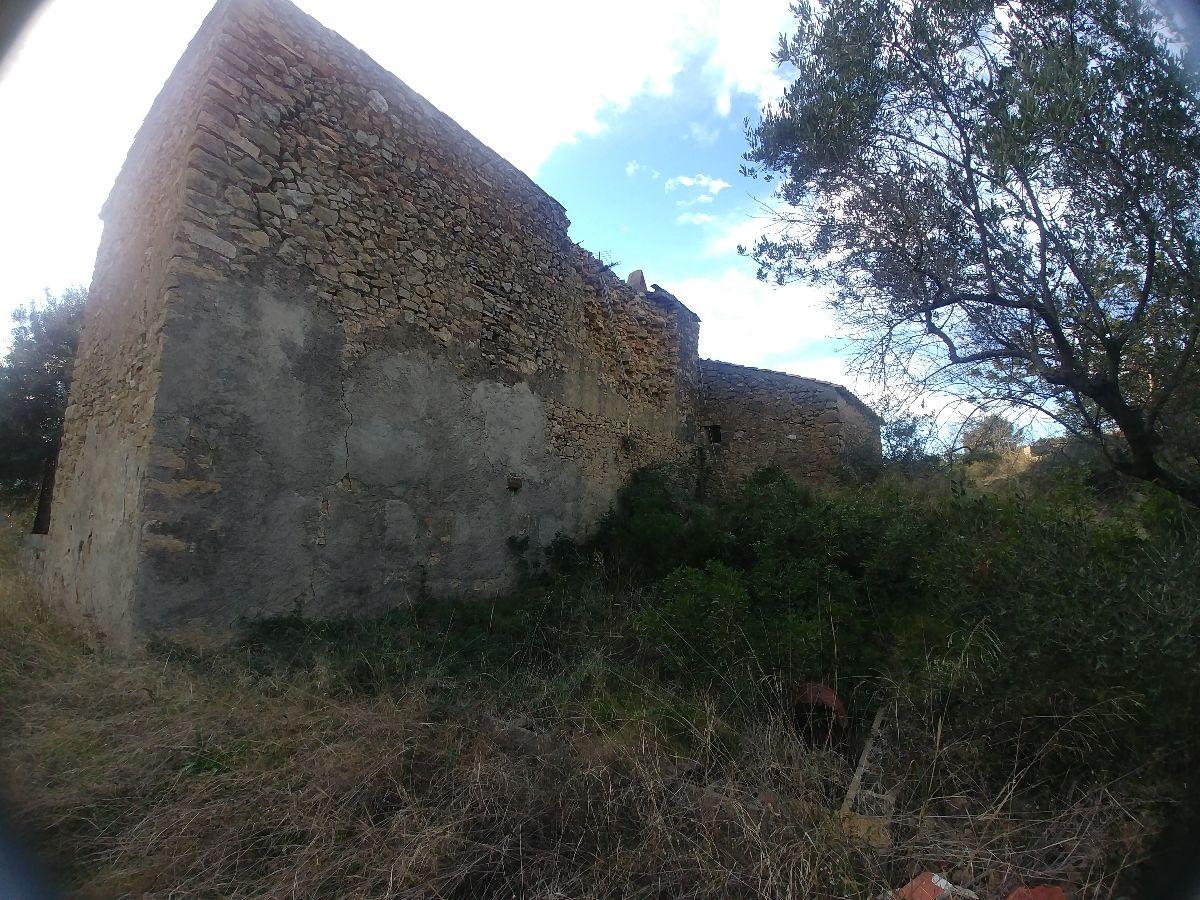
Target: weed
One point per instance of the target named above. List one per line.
(622, 727)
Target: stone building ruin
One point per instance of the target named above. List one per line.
(337, 352)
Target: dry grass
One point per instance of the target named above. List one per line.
(147, 775)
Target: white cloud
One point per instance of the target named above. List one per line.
(68, 135)
(733, 232)
(702, 135)
(741, 229)
(823, 368)
(633, 167)
(728, 232)
(692, 218)
(741, 60)
(712, 185)
(551, 75)
(750, 322)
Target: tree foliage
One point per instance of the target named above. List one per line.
(34, 379)
(1005, 199)
(990, 434)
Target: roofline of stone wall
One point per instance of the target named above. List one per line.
(841, 390)
(215, 18)
(854, 400)
(669, 301)
(142, 140)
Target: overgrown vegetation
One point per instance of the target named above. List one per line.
(34, 377)
(623, 725)
(1002, 201)
(1074, 627)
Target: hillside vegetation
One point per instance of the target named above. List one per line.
(625, 724)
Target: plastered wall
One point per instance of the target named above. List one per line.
(338, 353)
(362, 359)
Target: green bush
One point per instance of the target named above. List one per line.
(699, 622)
(1041, 615)
(657, 525)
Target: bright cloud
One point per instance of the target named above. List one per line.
(713, 186)
(633, 167)
(692, 218)
(743, 230)
(546, 85)
(51, 226)
(823, 368)
(741, 60)
(736, 231)
(702, 135)
(750, 322)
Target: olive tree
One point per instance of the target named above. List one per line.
(1004, 201)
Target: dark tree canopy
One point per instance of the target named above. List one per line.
(1004, 198)
(34, 378)
(990, 434)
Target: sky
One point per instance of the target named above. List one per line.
(629, 113)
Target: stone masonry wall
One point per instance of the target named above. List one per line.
(338, 353)
(385, 369)
(94, 544)
(755, 417)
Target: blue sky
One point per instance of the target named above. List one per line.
(631, 117)
(659, 189)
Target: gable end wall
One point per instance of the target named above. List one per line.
(95, 543)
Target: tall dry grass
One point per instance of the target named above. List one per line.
(176, 775)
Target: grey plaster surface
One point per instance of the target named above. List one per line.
(328, 487)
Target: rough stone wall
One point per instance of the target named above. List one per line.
(860, 428)
(92, 549)
(751, 418)
(384, 364)
(338, 352)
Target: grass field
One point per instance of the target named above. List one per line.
(549, 744)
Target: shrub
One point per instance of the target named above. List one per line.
(699, 622)
(656, 526)
(1043, 615)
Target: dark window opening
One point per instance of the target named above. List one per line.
(713, 433)
(41, 519)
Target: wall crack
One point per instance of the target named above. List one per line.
(347, 477)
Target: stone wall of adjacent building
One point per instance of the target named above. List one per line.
(750, 418)
(361, 358)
